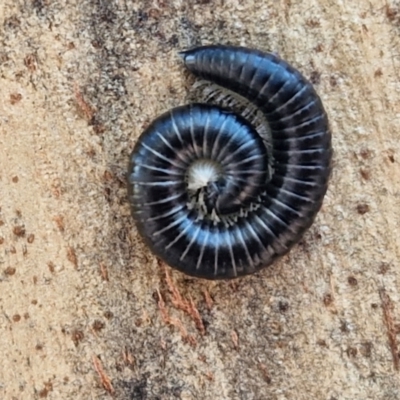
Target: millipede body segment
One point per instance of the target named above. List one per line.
(206, 194)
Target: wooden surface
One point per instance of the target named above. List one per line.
(86, 312)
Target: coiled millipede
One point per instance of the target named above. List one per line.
(207, 195)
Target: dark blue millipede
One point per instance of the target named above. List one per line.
(207, 195)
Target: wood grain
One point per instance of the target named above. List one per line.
(79, 82)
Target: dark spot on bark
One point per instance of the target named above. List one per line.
(362, 208)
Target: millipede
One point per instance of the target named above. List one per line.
(209, 194)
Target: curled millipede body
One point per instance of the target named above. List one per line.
(207, 195)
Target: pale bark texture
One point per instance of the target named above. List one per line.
(87, 312)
